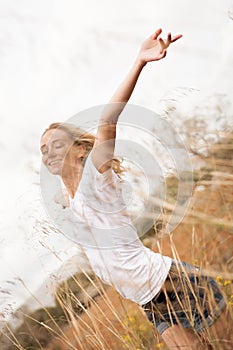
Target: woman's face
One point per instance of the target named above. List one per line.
(55, 144)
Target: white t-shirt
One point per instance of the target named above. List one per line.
(109, 239)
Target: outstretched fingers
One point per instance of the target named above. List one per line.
(176, 37)
(165, 44)
(170, 39)
(162, 44)
(156, 33)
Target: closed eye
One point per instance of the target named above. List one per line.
(56, 144)
(59, 146)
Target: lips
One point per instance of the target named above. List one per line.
(54, 162)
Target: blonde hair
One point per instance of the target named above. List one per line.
(82, 137)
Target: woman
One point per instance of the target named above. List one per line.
(176, 297)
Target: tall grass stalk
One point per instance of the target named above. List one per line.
(103, 320)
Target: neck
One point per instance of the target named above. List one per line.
(71, 179)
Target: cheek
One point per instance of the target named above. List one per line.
(44, 159)
(69, 153)
(63, 151)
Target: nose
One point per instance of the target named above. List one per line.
(51, 152)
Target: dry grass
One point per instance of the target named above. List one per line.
(90, 316)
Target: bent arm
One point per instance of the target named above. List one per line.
(152, 49)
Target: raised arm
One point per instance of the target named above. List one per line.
(153, 48)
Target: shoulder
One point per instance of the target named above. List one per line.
(90, 172)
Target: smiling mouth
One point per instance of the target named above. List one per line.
(54, 162)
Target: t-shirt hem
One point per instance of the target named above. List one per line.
(168, 264)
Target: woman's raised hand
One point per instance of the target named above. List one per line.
(155, 48)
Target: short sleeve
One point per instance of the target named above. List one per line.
(93, 178)
(102, 191)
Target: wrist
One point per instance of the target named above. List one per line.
(139, 63)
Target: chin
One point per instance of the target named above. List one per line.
(55, 170)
